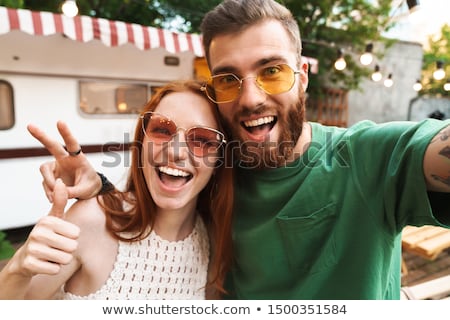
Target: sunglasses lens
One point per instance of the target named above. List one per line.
(273, 80)
(159, 128)
(225, 87)
(276, 79)
(203, 141)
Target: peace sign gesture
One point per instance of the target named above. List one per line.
(70, 164)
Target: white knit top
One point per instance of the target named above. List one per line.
(154, 268)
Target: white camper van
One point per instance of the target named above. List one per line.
(94, 74)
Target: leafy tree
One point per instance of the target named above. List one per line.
(189, 11)
(12, 3)
(438, 50)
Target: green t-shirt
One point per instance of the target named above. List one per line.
(329, 225)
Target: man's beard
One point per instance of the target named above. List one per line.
(267, 154)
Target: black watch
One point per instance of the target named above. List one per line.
(106, 184)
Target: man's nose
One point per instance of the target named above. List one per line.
(251, 93)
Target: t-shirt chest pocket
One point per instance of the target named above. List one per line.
(309, 240)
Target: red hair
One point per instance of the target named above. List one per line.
(215, 202)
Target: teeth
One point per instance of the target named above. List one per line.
(173, 172)
(258, 122)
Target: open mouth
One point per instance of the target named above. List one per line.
(260, 126)
(172, 177)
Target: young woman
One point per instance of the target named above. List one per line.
(166, 236)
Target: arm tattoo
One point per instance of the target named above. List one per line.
(442, 136)
(445, 152)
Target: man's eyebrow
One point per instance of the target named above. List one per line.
(270, 60)
(225, 69)
(260, 63)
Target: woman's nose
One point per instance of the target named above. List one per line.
(178, 147)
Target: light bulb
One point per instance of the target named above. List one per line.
(340, 64)
(69, 8)
(417, 86)
(439, 73)
(388, 82)
(367, 57)
(447, 86)
(415, 14)
(376, 76)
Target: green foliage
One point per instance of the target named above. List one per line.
(190, 11)
(6, 249)
(438, 50)
(11, 3)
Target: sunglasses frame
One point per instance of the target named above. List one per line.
(149, 114)
(207, 84)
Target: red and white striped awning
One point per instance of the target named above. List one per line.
(111, 33)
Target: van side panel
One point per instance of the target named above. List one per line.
(45, 72)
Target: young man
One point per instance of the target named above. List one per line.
(319, 210)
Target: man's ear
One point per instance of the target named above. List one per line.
(304, 75)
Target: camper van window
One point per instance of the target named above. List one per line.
(6, 105)
(112, 98)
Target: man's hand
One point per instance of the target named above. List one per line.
(76, 172)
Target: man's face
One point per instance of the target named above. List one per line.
(264, 127)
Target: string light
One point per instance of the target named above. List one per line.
(376, 75)
(367, 57)
(340, 63)
(413, 6)
(69, 8)
(447, 85)
(388, 82)
(439, 73)
(414, 11)
(417, 86)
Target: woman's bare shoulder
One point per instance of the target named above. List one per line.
(86, 213)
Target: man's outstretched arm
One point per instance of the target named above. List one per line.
(436, 163)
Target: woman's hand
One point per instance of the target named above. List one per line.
(70, 165)
(51, 243)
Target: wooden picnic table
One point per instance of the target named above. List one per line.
(427, 242)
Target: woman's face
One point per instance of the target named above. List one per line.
(174, 175)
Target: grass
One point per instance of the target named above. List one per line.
(6, 248)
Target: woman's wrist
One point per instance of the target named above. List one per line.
(106, 185)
